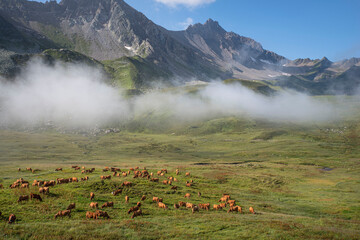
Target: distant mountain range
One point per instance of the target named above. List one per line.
(135, 51)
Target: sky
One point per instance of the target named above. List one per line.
(293, 29)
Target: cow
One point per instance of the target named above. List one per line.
(182, 204)
(74, 166)
(23, 198)
(157, 199)
(116, 192)
(74, 179)
(105, 177)
(137, 213)
(235, 209)
(174, 188)
(108, 204)
(189, 184)
(24, 185)
(205, 206)
(176, 206)
(35, 196)
(71, 206)
(187, 174)
(127, 199)
(217, 207)
(1, 186)
(190, 205)
(143, 198)
(222, 205)
(94, 205)
(154, 180)
(19, 169)
(162, 205)
(188, 195)
(100, 213)
(12, 218)
(195, 209)
(58, 169)
(251, 209)
(44, 190)
(177, 171)
(91, 215)
(63, 213)
(92, 196)
(133, 209)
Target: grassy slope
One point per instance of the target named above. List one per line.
(280, 177)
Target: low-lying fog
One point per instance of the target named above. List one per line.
(77, 96)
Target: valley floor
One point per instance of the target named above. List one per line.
(302, 181)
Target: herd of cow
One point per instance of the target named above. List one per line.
(44, 188)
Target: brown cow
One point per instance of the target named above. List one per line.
(251, 209)
(108, 204)
(235, 209)
(35, 196)
(75, 179)
(154, 180)
(100, 213)
(174, 188)
(205, 206)
(127, 199)
(133, 209)
(19, 169)
(105, 177)
(12, 218)
(187, 174)
(188, 195)
(44, 190)
(217, 207)
(137, 213)
(199, 194)
(223, 205)
(58, 169)
(157, 199)
(1, 186)
(92, 196)
(162, 205)
(195, 209)
(91, 215)
(143, 198)
(94, 205)
(117, 192)
(189, 184)
(63, 213)
(24, 185)
(74, 166)
(190, 205)
(176, 206)
(71, 206)
(23, 198)
(182, 204)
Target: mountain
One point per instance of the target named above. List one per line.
(135, 51)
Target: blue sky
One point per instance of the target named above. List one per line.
(292, 28)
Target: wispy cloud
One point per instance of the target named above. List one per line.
(187, 3)
(186, 23)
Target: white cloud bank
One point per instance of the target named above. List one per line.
(187, 3)
(186, 23)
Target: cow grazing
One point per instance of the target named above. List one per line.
(74, 179)
(157, 199)
(199, 194)
(188, 195)
(58, 169)
(12, 218)
(133, 209)
(105, 177)
(35, 196)
(176, 206)
(154, 180)
(182, 204)
(205, 206)
(127, 199)
(19, 169)
(74, 166)
(189, 184)
(143, 198)
(190, 205)
(251, 209)
(71, 206)
(63, 213)
(222, 205)
(44, 190)
(217, 207)
(23, 198)
(103, 214)
(24, 185)
(195, 209)
(187, 174)
(92, 196)
(94, 205)
(108, 204)
(116, 192)
(126, 184)
(174, 188)
(235, 209)
(162, 205)
(137, 213)
(91, 215)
